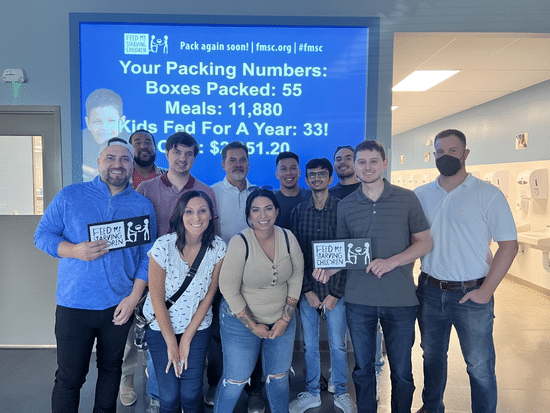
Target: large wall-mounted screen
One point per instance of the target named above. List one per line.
(276, 84)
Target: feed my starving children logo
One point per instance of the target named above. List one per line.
(122, 233)
(142, 43)
(345, 253)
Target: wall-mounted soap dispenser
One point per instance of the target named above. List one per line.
(532, 184)
(500, 179)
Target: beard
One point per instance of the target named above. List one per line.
(345, 174)
(238, 175)
(146, 163)
(115, 180)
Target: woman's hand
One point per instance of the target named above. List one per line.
(278, 329)
(173, 358)
(261, 330)
(185, 345)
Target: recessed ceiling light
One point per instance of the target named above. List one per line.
(422, 80)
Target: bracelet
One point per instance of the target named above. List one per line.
(284, 320)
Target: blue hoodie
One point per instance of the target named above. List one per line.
(104, 282)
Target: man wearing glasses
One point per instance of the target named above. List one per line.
(315, 219)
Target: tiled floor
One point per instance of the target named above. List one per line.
(522, 336)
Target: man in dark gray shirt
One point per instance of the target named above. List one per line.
(290, 194)
(393, 219)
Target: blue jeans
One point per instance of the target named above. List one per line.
(240, 352)
(152, 388)
(439, 311)
(336, 324)
(76, 330)
(185, 391)
(398, 327)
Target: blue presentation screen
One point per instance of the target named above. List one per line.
(275, 88)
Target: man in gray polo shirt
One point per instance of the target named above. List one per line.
(393, 219)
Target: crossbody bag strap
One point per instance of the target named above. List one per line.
(189, 278)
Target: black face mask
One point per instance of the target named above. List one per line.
(448, 165)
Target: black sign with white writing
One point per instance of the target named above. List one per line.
(124, 233)
(343, 253)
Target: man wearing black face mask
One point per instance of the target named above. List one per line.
(460, 274)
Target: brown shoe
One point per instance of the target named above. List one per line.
(128, 395)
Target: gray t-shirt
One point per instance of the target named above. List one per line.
(390, 223)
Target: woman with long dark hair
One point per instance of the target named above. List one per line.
(178, 337)
(261, 282)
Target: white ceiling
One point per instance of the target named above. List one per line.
(491, 66)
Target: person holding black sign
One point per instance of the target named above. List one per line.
(97, 288)
(178, 337)
(315, 219)
(393, 219)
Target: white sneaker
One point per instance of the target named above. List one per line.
(330, 385)
(345, 403)
(304, 401)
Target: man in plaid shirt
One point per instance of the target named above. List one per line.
(315, 219)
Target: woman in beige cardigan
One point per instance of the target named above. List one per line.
(260, 280)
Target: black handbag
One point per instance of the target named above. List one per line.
(142, 322)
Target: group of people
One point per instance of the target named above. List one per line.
(256, 245)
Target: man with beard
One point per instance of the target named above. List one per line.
(343, 166)
(97, 288)
(312, 220)
(231, 194)
(460, 275)
(145, 153)
(144, 169)
(290, 194)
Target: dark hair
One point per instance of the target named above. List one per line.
(286, 155)
(255, 194)
(182, 138)
(234, 145)
(448, 132)
(146, 132)
(176, 221)
(370, 146)
(320, 163)
(339, 148)
(101, 98)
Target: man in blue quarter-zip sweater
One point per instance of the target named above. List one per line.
(98, 286)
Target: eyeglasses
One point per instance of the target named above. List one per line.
(322, 175)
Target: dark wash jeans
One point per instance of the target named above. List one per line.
(398, 325)
(439, 311)
(76, 331)
(185, 392)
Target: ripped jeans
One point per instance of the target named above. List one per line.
(240, 352)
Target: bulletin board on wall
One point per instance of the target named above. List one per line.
(304, 84)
